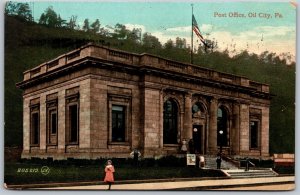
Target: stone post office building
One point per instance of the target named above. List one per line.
(100, 102)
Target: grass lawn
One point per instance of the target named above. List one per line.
(31, 173)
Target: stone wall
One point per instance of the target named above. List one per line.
(152, 127)
(244, 128)
(59, 151)
(265, 131)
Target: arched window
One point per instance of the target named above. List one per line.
(170, 122)
(197, 110)
(222, 126)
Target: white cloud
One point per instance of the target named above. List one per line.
(132, 26)
(267, 32)
(204, 28)
(163, 37)
(179, 29)
(181, 32)
(281, 39)
(275, 30)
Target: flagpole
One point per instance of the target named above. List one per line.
(192, 45)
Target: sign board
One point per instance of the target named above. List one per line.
(190, 159)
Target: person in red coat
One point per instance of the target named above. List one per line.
(109, 173)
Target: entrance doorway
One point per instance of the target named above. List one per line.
(197, 138)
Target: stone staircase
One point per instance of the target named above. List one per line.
(233, 171)
(210, 163)
(241, 173)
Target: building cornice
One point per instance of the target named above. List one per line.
(144, 64)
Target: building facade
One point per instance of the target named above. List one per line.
(100, 102)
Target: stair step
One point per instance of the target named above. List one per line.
(251, 173)
(248, 176)
(235, 172)
(210, 162)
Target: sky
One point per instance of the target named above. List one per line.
(236, 26)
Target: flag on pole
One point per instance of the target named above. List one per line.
(197, 31)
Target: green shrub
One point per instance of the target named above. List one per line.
(171, 161)
(283, 170)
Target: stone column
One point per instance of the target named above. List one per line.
(26, 127)
(244, 128)
(99, 129)
(187, 125)
(181, 118)
(85, 115)
(61, 131)
(43, 123)
(212, 134)
(236, 129)
(265, 132)
(161, 119)
(151, 122)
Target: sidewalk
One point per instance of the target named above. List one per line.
(190, 185)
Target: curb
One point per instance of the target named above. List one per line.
(211, 188)
(47, 185)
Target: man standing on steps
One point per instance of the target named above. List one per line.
(247, 164)
(191, 146)
(219, 160)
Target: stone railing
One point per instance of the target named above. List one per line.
(201, 72)
(35, 72)
(132, 59)
(57, 62)
(255, 85)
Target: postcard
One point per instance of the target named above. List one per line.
(150, 95)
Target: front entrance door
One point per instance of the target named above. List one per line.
(197, 137)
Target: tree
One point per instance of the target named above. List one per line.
(169, 44)
(10, 8)
(50, 18)
(24, 11)
(151, 41)
(86, 25)
(135, 35)
(60, 22)
(180, 43)
(120, 31)
(43, 19)
(72, 22)
(95, 26)
(21, 10)
(212, 45)
(267, 57)
(209, 47)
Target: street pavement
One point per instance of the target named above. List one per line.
(266, 183)
(263, 187)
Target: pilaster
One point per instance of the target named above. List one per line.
(244, 128)
(26, 126)
(235, 129)
(212, 134)
(187, 125)
(265, 131)
(43, 123)
(61, 127)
